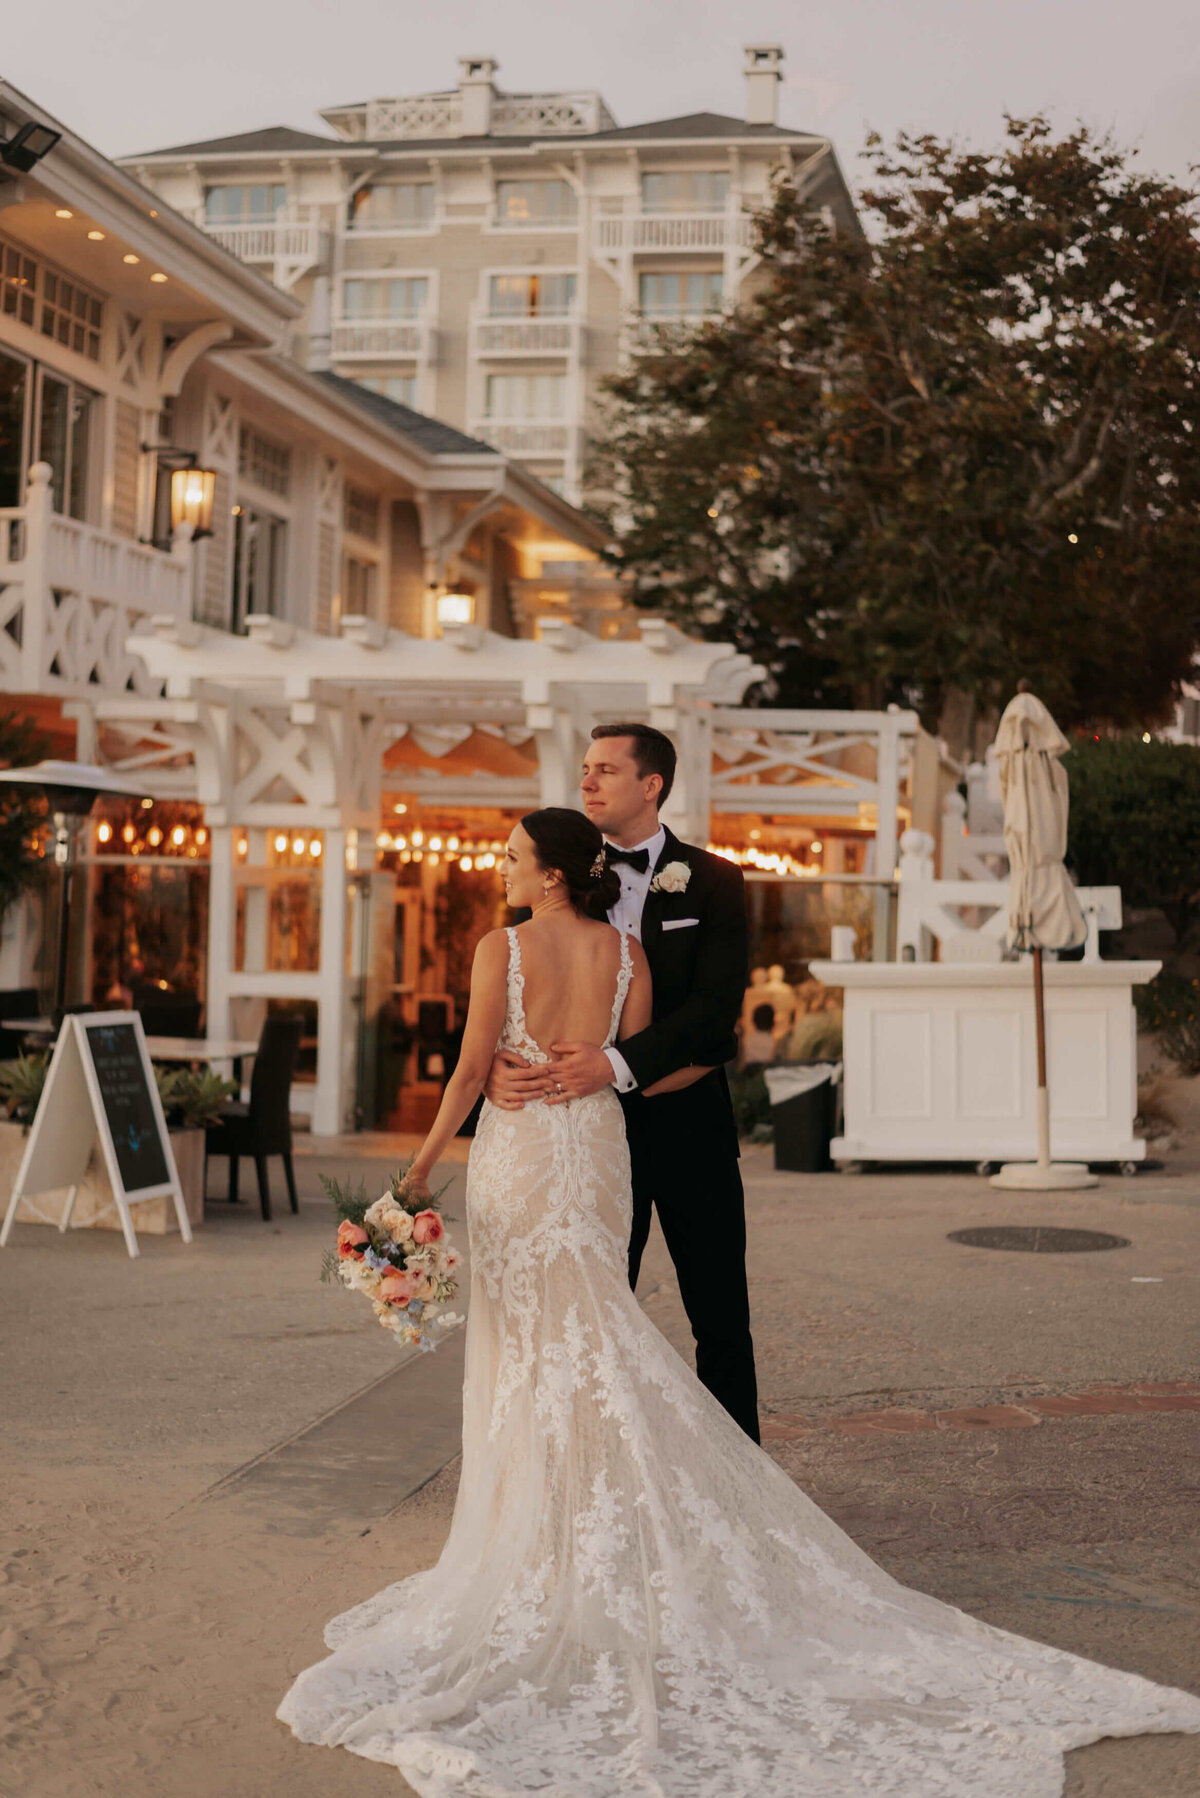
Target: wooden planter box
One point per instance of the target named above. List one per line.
(151, 1217)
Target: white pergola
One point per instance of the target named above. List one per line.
(284, 728)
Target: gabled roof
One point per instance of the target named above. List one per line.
(697, 124)
(428, 433)
(272, 137)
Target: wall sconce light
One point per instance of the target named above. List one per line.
(456, 608)
(193, 491)
(26, 147)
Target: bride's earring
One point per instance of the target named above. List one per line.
(547, 888)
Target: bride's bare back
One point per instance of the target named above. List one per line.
(570, 965)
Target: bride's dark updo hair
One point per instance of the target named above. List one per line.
(566, 842)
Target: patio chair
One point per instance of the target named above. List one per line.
(264, 1126)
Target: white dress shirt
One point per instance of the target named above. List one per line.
(626, 914)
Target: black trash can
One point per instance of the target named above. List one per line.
(804, 1114)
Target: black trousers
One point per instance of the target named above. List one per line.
(683, 1148)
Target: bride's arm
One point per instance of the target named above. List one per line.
(636, 1016)
(485, 1021)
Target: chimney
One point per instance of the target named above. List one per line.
(476, 91)
(764, 72)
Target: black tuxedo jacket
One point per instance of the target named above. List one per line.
(696, 945)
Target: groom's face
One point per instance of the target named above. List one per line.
(615, 796)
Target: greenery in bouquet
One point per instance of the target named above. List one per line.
(191, 1100)
(395, 1250)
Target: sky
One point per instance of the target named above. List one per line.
(129, 75)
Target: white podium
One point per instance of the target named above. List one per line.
(940, 1060)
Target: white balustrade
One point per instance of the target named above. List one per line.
(292, 242)
(672, 231)
(525, 436)
(70, 595)
(363, 338)
(550, 335)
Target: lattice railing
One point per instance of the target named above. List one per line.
(421, 115)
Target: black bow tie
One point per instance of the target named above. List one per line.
(638, 859)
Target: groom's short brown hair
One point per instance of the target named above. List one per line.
(653, 753)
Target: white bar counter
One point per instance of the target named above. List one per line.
(940, 1060)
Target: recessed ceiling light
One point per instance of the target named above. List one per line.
(158, 277)
(131, 257)
(153, 214)
(96, 236)
(63, 212)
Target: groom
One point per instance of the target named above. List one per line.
(688, 908)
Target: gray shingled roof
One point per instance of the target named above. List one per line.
(282, 137)
(428, 433)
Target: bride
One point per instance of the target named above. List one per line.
(634, 1601)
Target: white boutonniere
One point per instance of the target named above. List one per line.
(671, 879)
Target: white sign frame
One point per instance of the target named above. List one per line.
(68, 1119)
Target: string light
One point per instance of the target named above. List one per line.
(466, 864)
(128, 833)
(179, 836)
(104, 832)
(154, 836)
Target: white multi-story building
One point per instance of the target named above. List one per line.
(489, 257)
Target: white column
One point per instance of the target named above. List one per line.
(329, 1108)
(222, 910)
(35, 576)
(887, 799)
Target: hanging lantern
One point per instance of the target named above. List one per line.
(193, 491)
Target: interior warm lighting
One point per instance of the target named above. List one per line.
(130, 257)
(466, 864)
(407, 855)
(104, 832)
(154, 836)
(280, 845)
(314, 848)
(1145, 736)
(400, 809)
(96, 236)
(297, 845)
(178, 836)
(418, 837)
(128, 833)
(381, 841)
(202, 836)
(816, 847)
(452, 843)
(435, 842)
(434, 860)
(146, 804)
(419, 856)
(63, 212)
(401, 842)
(158, 277)
(243, 847)
(193, 491)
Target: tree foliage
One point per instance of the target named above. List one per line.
(953, 451)
(20, 745)
(1134, 822)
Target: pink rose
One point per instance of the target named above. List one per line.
(352, 1239)
(427, 1227)
(398, 1288)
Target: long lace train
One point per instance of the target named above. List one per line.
(633, 1601)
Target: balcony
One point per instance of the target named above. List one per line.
(668, 231)
(383, 340)
(647, 332)
(71, 595)
(290, 244)
(551, 334)
(525, 436)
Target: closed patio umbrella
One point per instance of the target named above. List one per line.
(1043, 910)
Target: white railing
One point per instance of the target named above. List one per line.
(291, 243)
(550, 335)
(407, 338)
(70, 596)
(525, 436)
(664, 330)
(420, 115)
(672, 231)
(513, 115)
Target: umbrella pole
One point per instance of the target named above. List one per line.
(1043, 1092)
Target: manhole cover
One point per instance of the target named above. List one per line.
(1038, 1239)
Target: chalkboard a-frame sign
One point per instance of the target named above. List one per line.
(100, 1083)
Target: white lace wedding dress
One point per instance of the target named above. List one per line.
(634, 1601)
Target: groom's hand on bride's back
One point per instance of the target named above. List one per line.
(512, 1082)
(577, 1071)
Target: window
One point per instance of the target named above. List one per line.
(681, 295)
(526, 396)
(686, 190)
(401, 388)
(14, 407)
(255, 205)
(62, 310)
(530, 296)
(259, 550)
(404, 205)
(66, 411)
(358, 587)
(385, 297)
(362, 513)
(535, 202)
(267, 464)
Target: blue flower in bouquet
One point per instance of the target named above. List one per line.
(416, 1308)
(372, 1258)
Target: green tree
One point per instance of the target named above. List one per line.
(20, 744)
(1134, 822)
(958, 449)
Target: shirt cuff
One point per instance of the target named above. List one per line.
(624, 1080)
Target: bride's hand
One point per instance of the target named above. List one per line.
(415, 1186)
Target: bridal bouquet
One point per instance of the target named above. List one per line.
(396, 1251)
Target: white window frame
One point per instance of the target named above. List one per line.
(529, 227)
(694, 208)
(539, 271)
(426, 317)
(393, 228)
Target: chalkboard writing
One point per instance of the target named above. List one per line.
(128, 1105)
